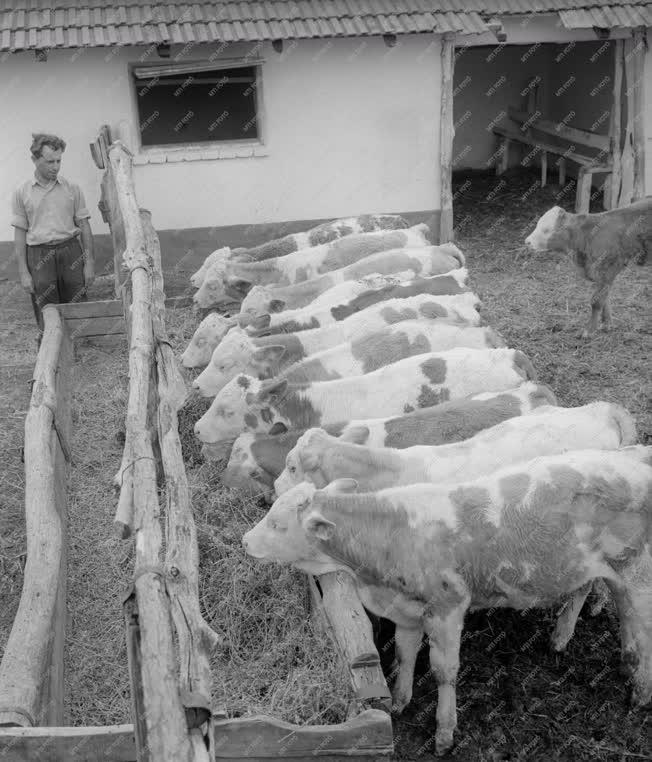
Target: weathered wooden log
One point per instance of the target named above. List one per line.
(81, 744)
(31, 685)
(352, 634)
(167, 736)
(638, 112)
(261, 737)
(195, 638)
(615, 124)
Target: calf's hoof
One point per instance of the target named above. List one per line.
(400, 699)
(443, 741)
(559, 640)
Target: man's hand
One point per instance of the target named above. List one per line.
(89, 273)
(26, 282)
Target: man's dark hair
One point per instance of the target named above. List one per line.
(40, 139)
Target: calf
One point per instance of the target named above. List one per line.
(265, 356)
(425, 554)
(323, 233)
(424, 261)
(321, 312)
(601, 245)
(207, 336)
(258, 459)
(246, 403)
(320, 458)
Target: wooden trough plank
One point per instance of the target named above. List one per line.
(353, 636)
(100, 326)
(28, 655)
(97, 309)
(66, 744)
(261, 737)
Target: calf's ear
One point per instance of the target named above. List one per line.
(270, 354)
(260, 322)
(341, 486)
(277, 305)
(315, 525)
(278, 428)
(273, 389)
(238, 284)
(356, 435)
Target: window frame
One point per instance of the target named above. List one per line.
(208, 149)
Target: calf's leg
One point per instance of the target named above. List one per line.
(444, 636)
(567, 618)
(407, 643)
(598, 300)
(634, 605)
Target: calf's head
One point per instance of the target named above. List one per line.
(260, 300)
(244, 404)
(212, 289)
(237, 353)
(208, 335)
(243, 470)
(550, 233)
(304, 461)
(291, 532)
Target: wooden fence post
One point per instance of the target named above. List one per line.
(446, 137)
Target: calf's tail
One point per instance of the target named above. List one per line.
(524, 366)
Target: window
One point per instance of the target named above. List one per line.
(196, 103)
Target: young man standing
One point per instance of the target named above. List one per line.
(49, 215)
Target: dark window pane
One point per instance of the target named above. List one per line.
(201, 107)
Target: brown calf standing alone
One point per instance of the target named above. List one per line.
(601, 245)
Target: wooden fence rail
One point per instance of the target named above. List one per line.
(31, 672)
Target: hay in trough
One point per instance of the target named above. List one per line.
(99, 566)
(274, 660)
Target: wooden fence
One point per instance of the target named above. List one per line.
(168, 641)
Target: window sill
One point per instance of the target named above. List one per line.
(199, 153)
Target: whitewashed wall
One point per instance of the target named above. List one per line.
(350, 126)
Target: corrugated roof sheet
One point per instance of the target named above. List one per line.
(26, 24)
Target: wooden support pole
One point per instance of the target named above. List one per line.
(195, 638)
(446, 133)
(638, 116)
(167, 736)
(31, 672)
(615, 133)
(583, 192)
(562, 172)
(544, 168)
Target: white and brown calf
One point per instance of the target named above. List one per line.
(321, 234)
(266, 356)
(526, 536)
(316, 315)
(321, 458)
(410, 262)
(257, 459)
(601, 246)
(307, 263)
(246, 403)
(207, 336)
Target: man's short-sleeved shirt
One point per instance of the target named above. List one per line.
(48, 213)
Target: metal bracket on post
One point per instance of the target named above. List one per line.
(132, 629)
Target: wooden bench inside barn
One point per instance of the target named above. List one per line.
(535, 131)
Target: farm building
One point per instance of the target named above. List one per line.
(248, 119)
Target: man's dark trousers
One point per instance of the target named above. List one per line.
(57, 270)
